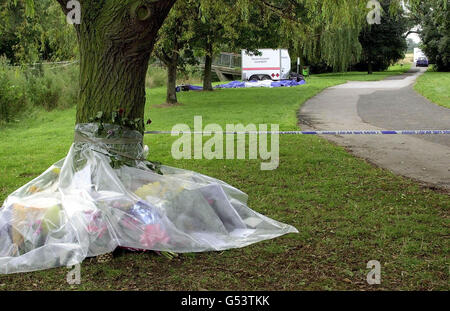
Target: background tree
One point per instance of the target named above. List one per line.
(181, 38)
(327, 33)
(173, 46)
(324, 33)
(435, 34)
(383, 44)
(214, 24)
(44, 35)
(232, 26)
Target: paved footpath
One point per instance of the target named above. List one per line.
(391, 104)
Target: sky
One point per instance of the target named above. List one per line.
(415, 37)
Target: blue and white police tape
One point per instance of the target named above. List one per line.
(340, 132)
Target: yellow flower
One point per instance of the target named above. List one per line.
(56, 170)
(149, 189)
(34, 189)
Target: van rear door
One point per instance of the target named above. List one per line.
(285, 64)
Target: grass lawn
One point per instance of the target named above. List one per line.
(435, 86)
(363, 76)
(348, 212)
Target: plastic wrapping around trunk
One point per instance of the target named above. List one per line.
(82, 207)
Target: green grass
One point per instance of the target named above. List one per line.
(363, 76)
(435, 86)
(347, 211)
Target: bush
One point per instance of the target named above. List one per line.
(12, 94)
(56, 87)
(192, 75)
(156, 77)
(49, 88)
(53, 88)
(43, 92)
(435, 35)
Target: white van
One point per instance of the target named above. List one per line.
(270, 65)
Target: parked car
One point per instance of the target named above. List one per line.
(422, 62)
(418, 53)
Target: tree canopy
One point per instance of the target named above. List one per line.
(322, 29)
(383, 44)
(434, 16)
(38, 32)
(173, 46)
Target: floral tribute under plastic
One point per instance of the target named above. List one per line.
(83, 207)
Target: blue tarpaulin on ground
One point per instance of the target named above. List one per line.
(287, 83)
(241, 84)
(188, 87)
(231, 85)
(266, 83)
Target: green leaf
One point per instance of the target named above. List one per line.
(29, 7)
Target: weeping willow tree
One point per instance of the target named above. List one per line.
(327, 30)
(323, 30)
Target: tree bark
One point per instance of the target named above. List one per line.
(207, 78)
(115, 40)
(370, 68)
(172, 80)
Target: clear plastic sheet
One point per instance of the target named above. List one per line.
(83, 207)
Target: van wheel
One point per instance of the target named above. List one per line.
(254, 77)
(266, 77)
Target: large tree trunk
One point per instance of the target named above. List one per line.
(207, 77)
(116, 39)
(172, 80)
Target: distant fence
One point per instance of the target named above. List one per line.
(229, 60)
(46, 65)
(226, 66)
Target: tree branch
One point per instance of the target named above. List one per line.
(162, 55)
(284, 13)
(63, 4)
(410, 32)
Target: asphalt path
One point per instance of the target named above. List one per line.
(390, 104)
